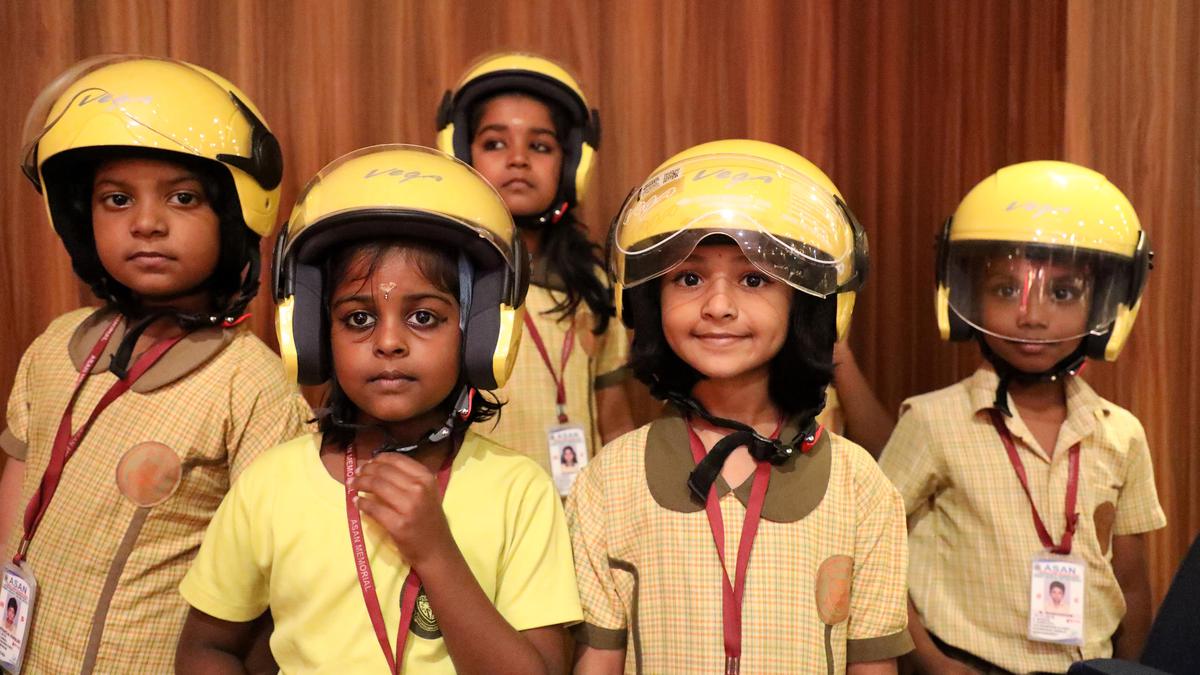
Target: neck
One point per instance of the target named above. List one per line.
(744, 399)
(532, 240)
(1039, 395)
(407, 432)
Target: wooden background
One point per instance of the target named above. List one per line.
(906, 104)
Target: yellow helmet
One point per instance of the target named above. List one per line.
(514, 71)
(154, 104)
(1065, 232)
(786, 215)
(402, 191)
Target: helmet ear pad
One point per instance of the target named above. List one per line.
(310, 326)
(950, 324)
(481, 332)
(265, 163)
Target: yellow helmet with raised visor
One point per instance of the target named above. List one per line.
(786, 215)
(402, 191)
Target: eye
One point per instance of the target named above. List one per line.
(186, 198)
(1003, 290)
(424, 318)
(116, 200)
(359, 320)
(490, 144)
(1066, 292)
(687, 279)
(543, 148)
(755, 280)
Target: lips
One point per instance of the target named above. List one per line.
(517, 184)
(391, 379)
(719, 339)
(149, 255)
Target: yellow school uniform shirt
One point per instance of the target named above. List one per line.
(281, 540)
(825, 584)
(971, 532)
(108, 568)
(596, 362)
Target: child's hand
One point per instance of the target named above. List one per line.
(403, 498)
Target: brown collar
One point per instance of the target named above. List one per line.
(797, 485)
(193, 351)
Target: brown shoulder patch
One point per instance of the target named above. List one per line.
(1104, 517)
(833, 589)
(149, 473)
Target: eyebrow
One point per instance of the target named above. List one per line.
(182, 178)
(504, 127)
(367, 298)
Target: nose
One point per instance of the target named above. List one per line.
(719, 304)
(518, 156)
(391, 339)
(1032, 311)
(149, 220)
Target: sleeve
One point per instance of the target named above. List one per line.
(264, 411)
(604, 623)
(1138, 508)
(909, 460)
(613, 355)
(537, 579)
(229, 577)
(14, 440)
(878, 627)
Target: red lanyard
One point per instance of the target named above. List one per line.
(66, 443)
(366, 580)
(1064, 546)
(560, 398)
(733, 593)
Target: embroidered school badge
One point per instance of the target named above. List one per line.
(424, 624)
(149, 473)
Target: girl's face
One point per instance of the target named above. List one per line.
(155, 231)
(723, 316)
(1042, 307)
(517, 151)
(395, 339)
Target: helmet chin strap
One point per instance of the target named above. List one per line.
(1068, 367)
(550, 216)
(760, 447)
(228, 318)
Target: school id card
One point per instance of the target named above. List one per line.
(567, 444)
(1056, 595)
(17, 593)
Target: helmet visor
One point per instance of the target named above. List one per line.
(82, 94)
(1034, 293)
(786, 224)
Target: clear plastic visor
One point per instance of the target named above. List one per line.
(1035, 293)
(786, 224)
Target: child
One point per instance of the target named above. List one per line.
(400, 280)
(522, 121)
(1043, 264)
(160, 177)
(736, 259)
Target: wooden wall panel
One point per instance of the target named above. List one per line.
(1131, 113)
(906, 103)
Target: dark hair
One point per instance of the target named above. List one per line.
(76, 171)
(800, 372)
(435, 264)
(565, 246)
(1060, 585)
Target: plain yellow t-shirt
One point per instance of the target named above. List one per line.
(280, 539)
